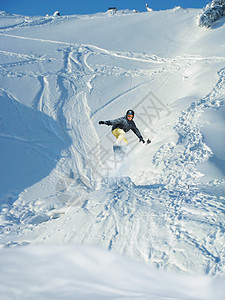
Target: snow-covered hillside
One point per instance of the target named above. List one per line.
(59, 182)
(89, 273)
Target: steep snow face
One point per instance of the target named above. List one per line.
(25, 145)
(60, 182)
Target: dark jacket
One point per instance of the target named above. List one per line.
(124, 124)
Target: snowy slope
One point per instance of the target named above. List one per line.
(76, 272)
(164, 204)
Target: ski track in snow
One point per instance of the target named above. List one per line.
(159, 219)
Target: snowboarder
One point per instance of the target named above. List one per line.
(122, 125)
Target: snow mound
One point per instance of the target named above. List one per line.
(77, 272)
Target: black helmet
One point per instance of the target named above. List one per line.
(130, 112)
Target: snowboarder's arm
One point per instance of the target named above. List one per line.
(104, 122)
(137, 132)
(111, 122)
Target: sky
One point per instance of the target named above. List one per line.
(71, 7)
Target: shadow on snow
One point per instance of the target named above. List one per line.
(30, 145)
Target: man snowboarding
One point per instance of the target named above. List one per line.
(122, 125)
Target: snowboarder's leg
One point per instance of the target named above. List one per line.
(120, 135)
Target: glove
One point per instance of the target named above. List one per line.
(141, 140)
(101, 122)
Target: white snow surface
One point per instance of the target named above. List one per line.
(92, 227)
(77, 272)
